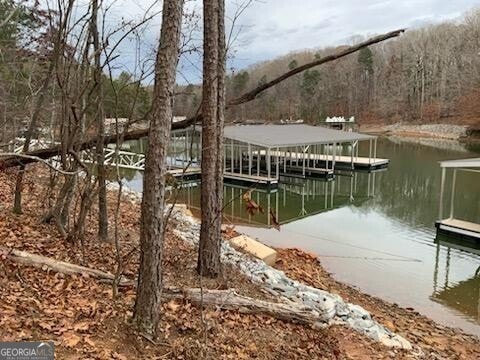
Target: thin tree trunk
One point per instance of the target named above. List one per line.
(152, 229)
(213, 108)
(100, 120)
(17, 203)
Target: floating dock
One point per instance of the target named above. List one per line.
(451, 225)
(194, 173)
(459, 228)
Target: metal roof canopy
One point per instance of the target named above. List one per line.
(461, 163)
(271, 136)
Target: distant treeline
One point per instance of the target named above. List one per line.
(431, 74)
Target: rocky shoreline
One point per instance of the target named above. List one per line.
(438, 131)
(332, 306)
(276, 282)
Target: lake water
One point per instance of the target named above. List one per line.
(376, 231)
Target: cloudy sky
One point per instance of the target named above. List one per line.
(270, 28)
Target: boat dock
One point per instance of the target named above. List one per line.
(257, 155)
(450, 225)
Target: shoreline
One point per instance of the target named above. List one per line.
(462, 133)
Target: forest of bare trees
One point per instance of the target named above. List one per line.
(430, 74)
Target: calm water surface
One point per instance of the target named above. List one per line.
(376, 231)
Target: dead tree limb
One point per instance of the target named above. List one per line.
(44, 262)
(221, 299)
(251, 95)
(230, 300)
(248, 96)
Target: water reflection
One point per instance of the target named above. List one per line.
(295, 198)
(463, 295)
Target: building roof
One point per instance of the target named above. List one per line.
(461, 163)
(290, 135)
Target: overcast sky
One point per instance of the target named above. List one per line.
(270, 28)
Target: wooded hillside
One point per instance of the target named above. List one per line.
(431, 74)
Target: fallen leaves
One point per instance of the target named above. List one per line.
(71, 340)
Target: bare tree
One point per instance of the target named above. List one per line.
(100, 122)
(147, 304)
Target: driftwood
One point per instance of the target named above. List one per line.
(248, 96)
(44, 262)
(221, 299)
(230, 300)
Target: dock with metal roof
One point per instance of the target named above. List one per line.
(260, 154)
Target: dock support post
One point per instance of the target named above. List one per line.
(268, 163)
(442, 188)
(375, 151)
(327, 152)
(240, 156)
(285, 161)
(352, 153)
(231, 156)
(278, 164)
(370, 152)
(334, 156)
(259, 158)
(303, 156)
(250, 160)
(452, 198)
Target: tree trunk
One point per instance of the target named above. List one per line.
(100, 120)
(17, 203)
(152, 229)
(213, 108)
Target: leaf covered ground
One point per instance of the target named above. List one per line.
(86, 321)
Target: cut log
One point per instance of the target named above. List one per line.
(44, 262)
(230, 300)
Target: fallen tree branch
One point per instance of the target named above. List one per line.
(38, 159)
(44, 262)
(221, 299)
(230, 300)
(249, 96)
